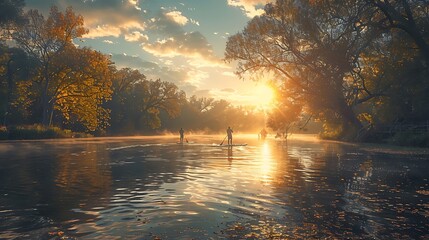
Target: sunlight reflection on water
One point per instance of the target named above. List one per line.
(143, 188)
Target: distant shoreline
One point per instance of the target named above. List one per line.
(368, 147)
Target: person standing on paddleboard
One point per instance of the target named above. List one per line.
(229, 134)
(182, 134)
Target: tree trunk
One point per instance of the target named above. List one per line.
(9, 92)
(45, 115)
(45, 98)
(420, 42)
(352, 125)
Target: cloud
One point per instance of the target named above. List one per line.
(174, 41)
(250, 7)
(135, 3)
(203, 93)
(108, 41)
(104, 31)
(185, 78)
(113, 28)
(136, 36)
(228, 90)
(229, 74)
(177, 17)
(194, 22)
(159, 32)
(123, 60)
(102, 18)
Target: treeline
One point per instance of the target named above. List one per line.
(361, 67)
(49, 81)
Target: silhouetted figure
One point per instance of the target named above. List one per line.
(263, 134)
(229, 134)
(182, 134)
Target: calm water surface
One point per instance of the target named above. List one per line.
(153, 188)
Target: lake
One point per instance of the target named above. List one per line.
(154, 188)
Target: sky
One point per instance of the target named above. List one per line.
(179, 41)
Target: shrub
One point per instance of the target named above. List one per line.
(35, 132)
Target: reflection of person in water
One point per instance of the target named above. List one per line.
(263, 134)
(229, 153)
(230, 157)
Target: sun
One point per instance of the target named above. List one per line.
(263, 96)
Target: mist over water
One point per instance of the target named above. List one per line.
(152, 187)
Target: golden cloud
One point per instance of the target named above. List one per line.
(252, 8)
(177, 17)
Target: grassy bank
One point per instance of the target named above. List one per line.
(36, 132)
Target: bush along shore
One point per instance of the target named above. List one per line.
(29, 132)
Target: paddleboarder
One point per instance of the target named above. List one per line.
(229, 134)
(263, 134)
(182, 134)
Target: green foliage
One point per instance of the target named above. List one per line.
(137, 103)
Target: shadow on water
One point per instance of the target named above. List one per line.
(146, 188)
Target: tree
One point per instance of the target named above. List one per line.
(46, 40)
(81, 84)
(411, 17)
(12, 61)
(137, 103)
(286, 112)
(314, 48)
(153, 96)
(11, 17)
(17, 68)
(122, 84)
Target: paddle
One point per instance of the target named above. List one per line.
(223, 140)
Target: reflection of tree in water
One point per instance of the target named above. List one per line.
(51, 180)
(82, 179)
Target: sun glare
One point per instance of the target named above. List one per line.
(263, 96)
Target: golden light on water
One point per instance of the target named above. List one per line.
(266, 163)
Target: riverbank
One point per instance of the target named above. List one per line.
(31, 132)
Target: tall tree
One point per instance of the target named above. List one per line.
(12, 61)
(122, 85)
(314, 48)
(45, 40)
(137, 102)
(17, 68)
(80, 86)
(150, 97)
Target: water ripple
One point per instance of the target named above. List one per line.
(155, 188)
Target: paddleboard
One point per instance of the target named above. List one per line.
(230, 145)
(184, 142)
